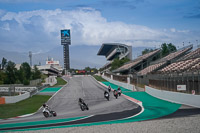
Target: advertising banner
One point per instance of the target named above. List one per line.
(181, 87)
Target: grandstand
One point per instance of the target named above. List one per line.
(188, 63)
(178, 68)
(163, 62)
(51, 68)
(191, 55)
(107, 66)
(139, 63)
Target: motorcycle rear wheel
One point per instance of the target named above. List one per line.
(46, 114)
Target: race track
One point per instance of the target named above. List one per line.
(65, 103)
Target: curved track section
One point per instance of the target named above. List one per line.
(65, 103)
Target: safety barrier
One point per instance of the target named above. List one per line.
(51, 80)
(23, 91)
(14, 99)
(125, 85)
(176, 97)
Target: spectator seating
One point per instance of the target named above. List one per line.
(150, 68)
(136, 61)
(193, 54)
(162, 62)
(182, 66)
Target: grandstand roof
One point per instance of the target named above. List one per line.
(106, 47)
(115, 50)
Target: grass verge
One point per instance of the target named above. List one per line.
(27, 106)
(99, 78)
(60, 82)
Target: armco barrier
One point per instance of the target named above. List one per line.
(125, 85)
(176, 97)
(14, 99)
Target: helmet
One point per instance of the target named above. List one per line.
(80, 100)
(44, 105)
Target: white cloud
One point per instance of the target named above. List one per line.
(173, 30)
(5, 26)
(40, 30)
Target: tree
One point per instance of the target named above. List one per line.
(171, 47)
(2, 77)
(118, 63)
(3, 63)
(36, 74)
(25, 73)
(10, 73)
(167, 49)
(26, 70)
(87, 69)
(146, 50)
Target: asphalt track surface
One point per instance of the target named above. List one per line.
(65, 103)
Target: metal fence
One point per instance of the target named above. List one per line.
(107, 75)
(169, 82)
(120, 78)
(166, 82)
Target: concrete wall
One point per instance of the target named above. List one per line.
(26, 90)
(181, 98)
(14, 99)
(51, 80)
(125, 85)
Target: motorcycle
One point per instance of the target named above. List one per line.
(109, 89)
(83, 106)
(106, 95)
(115, 94)
(49, 113)
(119, 91)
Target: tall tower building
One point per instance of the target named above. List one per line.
(66, 41)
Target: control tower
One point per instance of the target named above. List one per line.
(66, 41)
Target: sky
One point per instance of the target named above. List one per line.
(34, 25)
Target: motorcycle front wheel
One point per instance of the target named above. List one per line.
(82, 108)
(46, 114)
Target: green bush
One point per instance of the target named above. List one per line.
(26, 82)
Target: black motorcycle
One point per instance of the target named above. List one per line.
(49, 113)
(106, 95)
(109, 89)
(83, 106)
(119, 91)
(115, 93)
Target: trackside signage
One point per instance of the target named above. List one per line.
(65, 37)
(181, 87)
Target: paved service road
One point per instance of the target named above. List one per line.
(65, 103)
